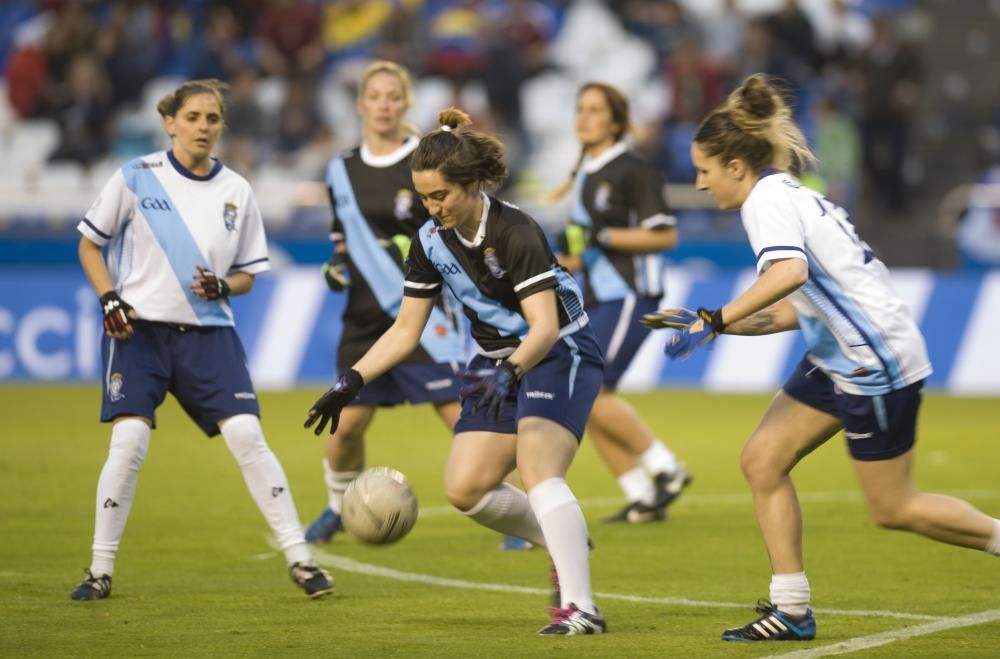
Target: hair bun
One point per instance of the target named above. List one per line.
(453, 118)
(758, 97)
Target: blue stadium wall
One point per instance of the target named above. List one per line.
(50, 329)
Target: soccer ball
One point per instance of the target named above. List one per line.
(379, 506)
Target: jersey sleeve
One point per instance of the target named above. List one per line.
(774, 230)
(648, 199)
(109, 212)
(528, 259)
(251, 257)
(422, 279)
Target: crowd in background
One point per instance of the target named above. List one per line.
(854, 79)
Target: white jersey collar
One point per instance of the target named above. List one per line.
(591, 165)
(481, 232)
(389, 159)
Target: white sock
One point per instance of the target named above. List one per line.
(336, 485)
(507, 510)
(637, 486)
(790, 593)
(993, 547)
(267, 484)
(565, 530)
(116, 489)
(658, 459)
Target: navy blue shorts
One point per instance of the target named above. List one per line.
(428, 382)
(562, 388)
(205, 368)
(616, 326)
(877, 427)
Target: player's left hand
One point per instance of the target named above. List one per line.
(673, 318)
(329, 406)
(207, 286)
(493, 388)
(695, 334)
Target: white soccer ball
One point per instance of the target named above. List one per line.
(379, 506)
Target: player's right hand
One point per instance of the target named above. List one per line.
(331, 404)
(575, 240)
(335, 273)
(118, 316)
(673, 318)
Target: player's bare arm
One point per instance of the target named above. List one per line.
(778, 317)
(774, 284)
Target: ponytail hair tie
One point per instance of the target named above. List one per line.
(446, 128)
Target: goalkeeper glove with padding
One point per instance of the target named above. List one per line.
(697, 333)
(673, 318)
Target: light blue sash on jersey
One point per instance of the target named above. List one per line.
(602, 277)
(488, 310)
(381, 271)
(174, 239)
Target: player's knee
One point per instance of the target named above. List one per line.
(244, 437)
(757, 467)
(893, 517)
(130, 441)
(463, 491)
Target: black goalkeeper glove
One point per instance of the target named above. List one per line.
(492, 387)
(208, 286)
(335, 273)
(331, 404)
(117, 315)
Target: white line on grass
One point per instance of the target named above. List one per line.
(884, 638)
(344, 564)
(836, 496)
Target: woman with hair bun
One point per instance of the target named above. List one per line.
(865, 364)
(538, 367)
(184, 234)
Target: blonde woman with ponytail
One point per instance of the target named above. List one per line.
(619, 226)
(537, 367)
(865, 364)
(375, 215)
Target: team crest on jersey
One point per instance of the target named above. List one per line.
(602, 196)
(493, 263)
(229, 216)
(403, 205)
(115, 384)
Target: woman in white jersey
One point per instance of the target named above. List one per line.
(183, 235)
(537, 368)
(866, 359)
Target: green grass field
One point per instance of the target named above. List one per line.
(197, 576)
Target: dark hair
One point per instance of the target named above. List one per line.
(618, 106)
(462, 155)
(755, 125)
(170, 104)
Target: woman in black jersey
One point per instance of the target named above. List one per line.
(375, 215)
(538, 366)
(619, 225)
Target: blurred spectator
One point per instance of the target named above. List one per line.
(131, 42)
(695, 81)
(73, 32)
(82, 114)
(837, 145)
(456, 48)
(662, 23)
(794, 33)
(245, 123)
(844, 32)
(518, 36)
(299, 120)
(890, 75)
(724, 32)
(291, 39)
(222, 50)
(352, 28)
